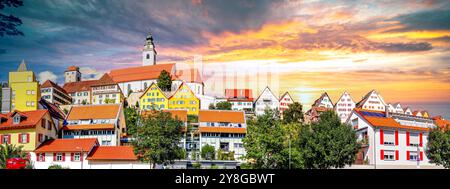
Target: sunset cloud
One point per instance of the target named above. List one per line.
(400, 48)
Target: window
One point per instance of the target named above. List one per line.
(76, 157)
(389, 155)
(414, 139)
(59, 157)
(389, 137)
(413, 156)
(6, 139)
(41, 157)
(148, 56)
(49, 125)
(16, 119)
(106, 143)
(23, 138)
(40, 137)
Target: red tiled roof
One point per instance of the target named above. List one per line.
(441, 123)
(29, 119)
(72, 68)
(88, 127)
(67, 145)
(319, 100)
(140, 73)
(226, 116)
(49, 83)
(79, 86)
(116, 153)
(109, 111)
(222, 130)
(106, 79)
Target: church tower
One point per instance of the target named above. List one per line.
(149, 52)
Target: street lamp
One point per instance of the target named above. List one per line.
(81, 155)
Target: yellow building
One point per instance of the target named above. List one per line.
(28, 129)
(185, 99)
(153, 98)
(25, 91)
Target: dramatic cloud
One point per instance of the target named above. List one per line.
(47, 75)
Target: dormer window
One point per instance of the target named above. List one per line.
(16, 119)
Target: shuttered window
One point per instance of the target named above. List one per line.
(414, 139)
(389, 137)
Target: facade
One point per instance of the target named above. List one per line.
(391, 139)
(72, 74)
(24, 90)
(106, 91)
(138, 79)
(85, 154)
(240, 99)
(323, 101)
(417, 113)
(183, 98)
(266, 100)
(372, 101)
(103, 122)
(53, 93)
(80, 91)
(153, 98)
(27, 128)
(344, 106)
(68, 153)
(285, 101)
(407, 111)
(224, 130)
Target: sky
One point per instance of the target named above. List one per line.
(399, 48)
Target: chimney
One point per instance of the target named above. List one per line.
(386, 111)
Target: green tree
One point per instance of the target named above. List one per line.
(294, 113)
(223, 106)
(208, 152)
(265, 142)
(11, 151)
(327, 143)
(438, 147)
(9, 23)
(131, 118)
(164, 81)
(211, 106)
(158, 139)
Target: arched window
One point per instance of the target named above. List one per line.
(145, 85)
(148, 56)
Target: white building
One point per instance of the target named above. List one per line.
(55, 94)
(344, 106)
(224, 130)
(266, 100)
(391, 139)
(407, 111)
(285, 100)
(106, 91)
(240, 99)
(85, 154)
(323, 101)
(103, 122)
(80, 91)
(372, 101)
